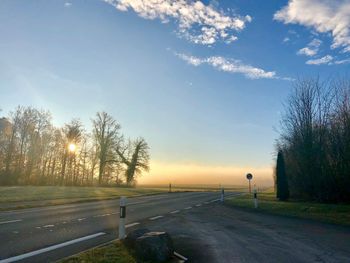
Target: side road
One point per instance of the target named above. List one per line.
(219, 233)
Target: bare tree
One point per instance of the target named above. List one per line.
(106, 134)
(33, 151)
(315, 139)
(73, 134)
(139, 160)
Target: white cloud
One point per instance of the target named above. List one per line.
(343, 61)
(323, 16)
(231, 66)
(199, 23)
(311, 49)
(315, 43)
(67, 4)
(286, 39)
(324, 60)
(307, 52)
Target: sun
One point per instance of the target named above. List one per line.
(72, 147)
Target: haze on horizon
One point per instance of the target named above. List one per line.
(205, 86)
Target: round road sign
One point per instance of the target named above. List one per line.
(249, 176)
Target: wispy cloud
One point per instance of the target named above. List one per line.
(311, 49)
(197, 22)
(286, 39)
(320, 61)
(325, 16)
(343, 61)
(231, 66)
(67, 4)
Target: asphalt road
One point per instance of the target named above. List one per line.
(221, 234)
(203, 229)
(50, 233)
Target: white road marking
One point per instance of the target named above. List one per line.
(102, 215)
(115, 213)
(174, 212)
(180, 256)
(188, 207)
(155, 218)
(81, 219)
(46, 226)
(10, 221)
(132, 224)
(50, 248)
(199, 205)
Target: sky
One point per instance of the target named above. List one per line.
(203, 82)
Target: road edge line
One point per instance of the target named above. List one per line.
(180, 256)
(50, 248)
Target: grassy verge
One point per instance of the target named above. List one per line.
(16, 197)
(114, 252)
(329, 213)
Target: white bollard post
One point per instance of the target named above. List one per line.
(122, 216)
(255, 199)
(222, 195)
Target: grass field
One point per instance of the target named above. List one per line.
(329, 213)
(39, 193)
(16, 197)
(196, 187)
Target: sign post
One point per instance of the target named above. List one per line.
(222, 195)
(249, 177)
(169, 187)
(122, 205)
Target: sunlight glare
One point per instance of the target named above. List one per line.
(71, 147)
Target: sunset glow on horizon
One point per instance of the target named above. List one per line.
(190, 173)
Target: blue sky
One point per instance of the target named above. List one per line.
(203, 82)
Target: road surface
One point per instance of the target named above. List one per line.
(41, 234)
(203, 229)
(222, 234)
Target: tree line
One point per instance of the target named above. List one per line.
(33, 151)
(314, 144)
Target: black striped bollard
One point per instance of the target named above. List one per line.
(255, 198)
(122, 216)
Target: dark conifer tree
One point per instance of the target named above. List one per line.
(281, 178)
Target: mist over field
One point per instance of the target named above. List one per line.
(165, 173)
